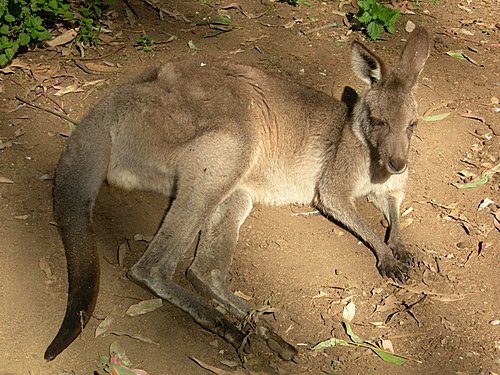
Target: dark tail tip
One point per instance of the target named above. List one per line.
(82, 297)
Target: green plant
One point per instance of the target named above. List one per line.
(27, 22)
(145, 42)
(296, 3)
(87, 18)
(376, 17)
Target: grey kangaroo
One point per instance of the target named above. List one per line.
(219, 137)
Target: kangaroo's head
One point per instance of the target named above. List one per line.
(385, 117)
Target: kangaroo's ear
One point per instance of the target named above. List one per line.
(414, 56)
(367, 66)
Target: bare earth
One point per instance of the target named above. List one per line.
(305, 267)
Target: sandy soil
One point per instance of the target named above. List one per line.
(304, 266)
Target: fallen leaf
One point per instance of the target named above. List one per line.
(144, 307)
(101, 68)
(349, 311)
(321, 294)
(122, 253)
(329, 343)
(116, 351)
(21, 217)
(67, 90)
(387, 346)
(389, 357)
(5, 180)
(474, 117)
(191, 45)
(484, 204)
(103, 326)
(229, 363)
(242, 295)
(406, 222)
(64, 38)
(410, 26)
(348, 329)
(436, 117)
(456, 54)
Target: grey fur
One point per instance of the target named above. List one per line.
(219, 138)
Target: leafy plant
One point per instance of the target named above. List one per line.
(145, 42)
(27, 22)
(376, 17)
(296, 3)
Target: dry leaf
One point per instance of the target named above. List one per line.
(387, 346)
(122, 253)
(5, 180)
(144, 307)
(101, 68)
(64, 38)
(103, 326)
(349, 311)
(67, 90)
(242, 295)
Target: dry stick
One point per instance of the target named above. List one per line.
(47, 109)
(176, 15)
(327, 26)
(101, 57)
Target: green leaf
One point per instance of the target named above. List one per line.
(9, 18)
(374, 30)
(3, 60)
(456, 54)
(221, 20)
(23, 39)
(436, 117)
(4, 29)
(329, 343)
(389, 357)
(351, 334)
(122, 370)
(115, 349)
(144, 307)
(192, 45)
(365, 18)
(9, 53)
(473, 184)
(102, 361)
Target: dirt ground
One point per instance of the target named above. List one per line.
(306, 267)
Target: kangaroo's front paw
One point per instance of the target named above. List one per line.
(393, 268)
(400, 253)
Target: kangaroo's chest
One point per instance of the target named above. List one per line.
(365, 184)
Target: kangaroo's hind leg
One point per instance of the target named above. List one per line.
(207, 175)
(213, 259)
(214, 253)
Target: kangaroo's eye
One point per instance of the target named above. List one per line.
(412, 125)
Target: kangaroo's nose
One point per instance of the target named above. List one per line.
(396, 166)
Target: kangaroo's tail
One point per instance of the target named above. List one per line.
(79, 175)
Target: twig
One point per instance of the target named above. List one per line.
(82, 66)
(47, 109)
(100, 57)
(320, 28)
(176, 15)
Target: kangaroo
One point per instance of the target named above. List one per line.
(218, 137)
